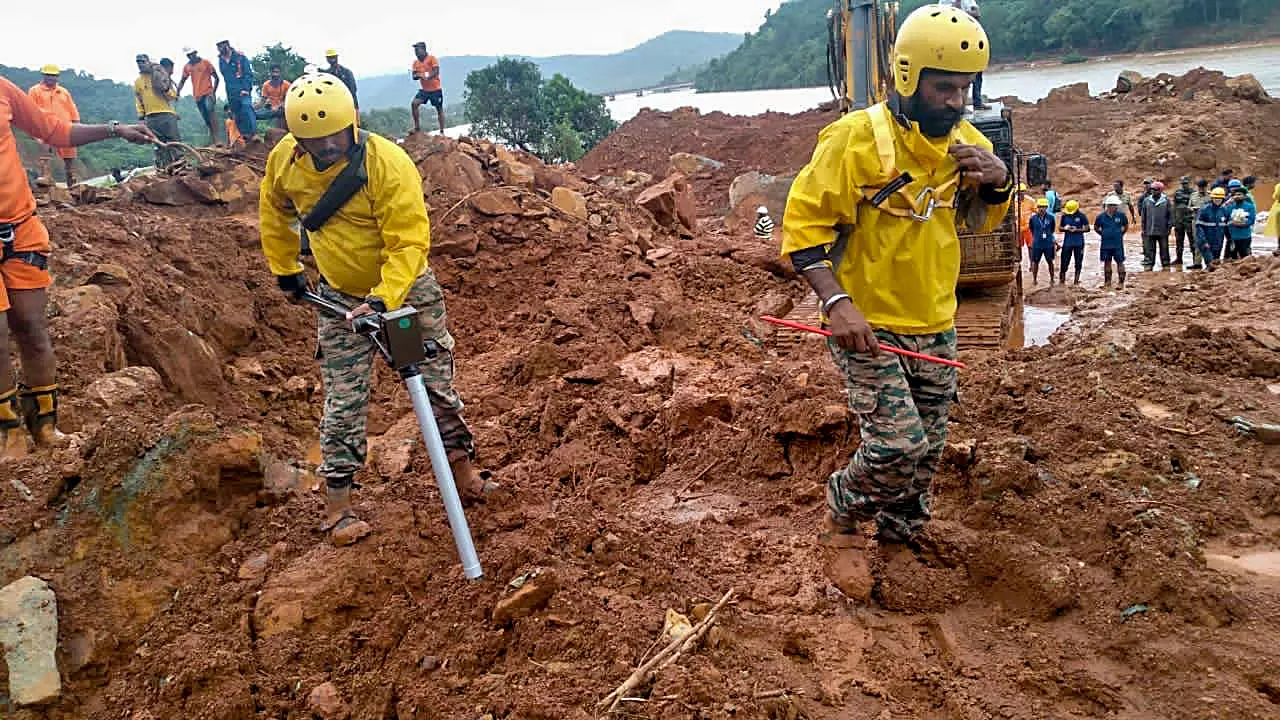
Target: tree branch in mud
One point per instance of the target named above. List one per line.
(669, 655)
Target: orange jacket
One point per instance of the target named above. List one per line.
(17, 109)
(1028, 206)
(274, 95)
(56, 100)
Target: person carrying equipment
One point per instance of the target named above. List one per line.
(1211, 228)
(359, 199)
(871, 224)
(1241, 215)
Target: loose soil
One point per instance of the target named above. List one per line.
(658, 447)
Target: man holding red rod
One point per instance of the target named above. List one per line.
(888, 178)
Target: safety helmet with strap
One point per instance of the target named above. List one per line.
(319, 105)
(937, 37)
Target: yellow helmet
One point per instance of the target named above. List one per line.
(319, 105)
(1071, 206)
(938, 37)
(50, 69)
(330, 53)
(1022, 187)
(1218, 193)
(1042, 203)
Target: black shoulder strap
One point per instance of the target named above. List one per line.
(343, 188)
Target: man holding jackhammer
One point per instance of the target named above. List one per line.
(887, 272)
(360, 196)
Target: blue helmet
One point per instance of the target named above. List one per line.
(1235, 185)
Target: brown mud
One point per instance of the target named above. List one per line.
(658, 447)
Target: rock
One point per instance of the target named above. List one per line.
(237, 452)
(109, 274)
(462, 243)
(87, 326)
(281, 479)
(691, 164)
(124, 388)
(29, 637)
(1128, 80)
(232, 186)
(688, 407)
(254, 567)
(186, 361)
(633, 177)
(517, 173)
(504, 155)
(1247, 87)
(1068, 94)
(1114, 463)
(671, 203)
(548, 178)
(776, 303)
(642, 314)
(247, 369)
(570, 201)
(168, 191)
(496, 202)
(760, 189)
(326, 702)
(532, 596)
(455, 173)
(1073, 178)
(651, 366)
(393, 450)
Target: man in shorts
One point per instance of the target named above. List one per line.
(1111, 225)
(426, 70)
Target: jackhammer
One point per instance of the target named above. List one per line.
(398, 338)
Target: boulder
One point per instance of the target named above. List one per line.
(124, 388)
(1247, 87)
(496, 202)
(109, 274)
(168, 191)
(1199, 157)
(456, 244)
(1069, 94)
(29, 637)
(570, 201)
(760, 189)
(1128, 80)
(517, 173)
(504, 155)
(691, 164)
(671, 203)
(454, 172)
(185, 360)
(86, 325)
(232, 186)
(1073, 178)
(548, 178)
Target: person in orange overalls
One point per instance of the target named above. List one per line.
(24, 275)
(1027, 208)
(234, 138)
(274, 90)
(53, 98)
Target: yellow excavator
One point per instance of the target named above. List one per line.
(860, 37)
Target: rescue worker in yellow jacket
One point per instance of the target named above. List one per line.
(1272, 229)
(871, 224)
(372, 255)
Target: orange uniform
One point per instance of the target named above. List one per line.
(17, 204)
(425, 67)
(57, 100)
(274, 94)
(1028, 205)
(234, 137)
(201, 75)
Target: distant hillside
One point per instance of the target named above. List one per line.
(641, 66)
(790, 48)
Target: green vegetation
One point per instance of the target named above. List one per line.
(789, 49)
(398, 121)
(292, 65)
(555, 120)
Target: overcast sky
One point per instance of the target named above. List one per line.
(373, 36)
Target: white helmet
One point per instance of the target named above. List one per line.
(188, 50)
(1112, 200)
(762, 210)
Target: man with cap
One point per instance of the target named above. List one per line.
(1074, 224)
(204, 88)
(56, 100)
(426, 70)
(1198, 200)
(1042, 228)
(344, 74)
(1183, 219)
(154, 95)
(1157, 221)
(237, 71)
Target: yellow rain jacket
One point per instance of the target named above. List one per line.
(1273, 222)
(901, 273)
(375, 245)
(148, 101)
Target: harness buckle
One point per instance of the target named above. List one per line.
(931, 194)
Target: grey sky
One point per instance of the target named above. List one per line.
(373, 36)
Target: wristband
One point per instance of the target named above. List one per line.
(831, 301)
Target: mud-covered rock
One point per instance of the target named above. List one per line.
(496, 202)
(29, 638)
(671, 203)
(530, 597)
(123, 388)
(326, 702)
(570, 201)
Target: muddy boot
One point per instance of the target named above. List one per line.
(40, 412)
(1077, 278)
(847, 561)
(1106, 275)
(1120, 275)
(13, 441)
(473, 485)
(340, 519)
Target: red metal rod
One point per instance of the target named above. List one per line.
(887, 348)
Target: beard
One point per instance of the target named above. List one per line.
(934, 122)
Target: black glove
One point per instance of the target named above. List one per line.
(295, 285)
(377, 304)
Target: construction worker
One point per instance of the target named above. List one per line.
(234, 139)
(1198, 200)
(1211, 228)
(204, 87)
(1183, 221)
(1026, 208)
(51, 97)
(372, 254)
(24, 277)
(274, 90)
(237, 71)
(426, 70)
(1042, 227)
(1272, 229)
(154, 95)
(1157, 221)
(347, 77)
(1126, 200)
(1074, 224)
(1111, 225)
(887, 273)
(1241, 214)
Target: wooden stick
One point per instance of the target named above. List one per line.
(1180, 431)
(776, 694)
(668, 655)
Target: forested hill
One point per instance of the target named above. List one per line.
(789, 50)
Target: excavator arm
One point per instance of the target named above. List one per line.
(860, 36)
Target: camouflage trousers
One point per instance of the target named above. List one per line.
(902, 406)
(346, 365)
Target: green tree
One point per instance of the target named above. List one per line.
(505, 101)
(579, 110)
(564, 144)
(292, 65)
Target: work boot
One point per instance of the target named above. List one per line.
(1106, 275)
(1077, 277)
(473, 485)
(846, 554)
(1121, 274)
(340, 519)
(13, 441)
(40, 412)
